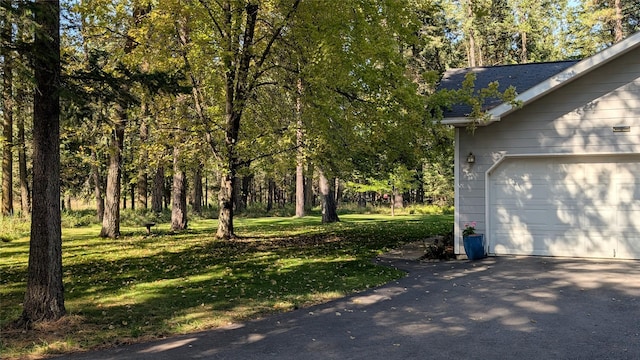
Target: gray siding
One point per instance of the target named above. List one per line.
(577, 118)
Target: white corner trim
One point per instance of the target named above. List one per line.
(505, 156)
(456, 193)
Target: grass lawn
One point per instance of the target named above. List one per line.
(142, 287)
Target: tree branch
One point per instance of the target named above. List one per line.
(249, 161)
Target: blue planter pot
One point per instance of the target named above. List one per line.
(474, 246)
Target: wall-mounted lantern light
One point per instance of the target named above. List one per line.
(471, 158)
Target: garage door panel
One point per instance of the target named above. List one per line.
(543, 244)
(566, 207)
(628, 192)
(628, 244)
(598, 216)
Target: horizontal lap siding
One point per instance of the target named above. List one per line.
(577, 118)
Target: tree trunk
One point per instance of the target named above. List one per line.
(158, 190)
(7, 123)
(143, 191)
(167, 191)
(524, 54)
(97, 186)
(225, 201)
(237, 92)
(472, 36)
(398, 200)
(618, 33)
(300, 210)
(393, 202)
(25, 192)
(329, 211)
(111, 218)
(141, 179)
(309, 199)
(44, 298)
(206, 192)
(67, 201)
(197, 191)
(245, 189)
(271, 190)
(132, 194)
(238, 205)
(179, 195)
(420, 182)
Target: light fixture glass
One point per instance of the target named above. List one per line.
(471, 158)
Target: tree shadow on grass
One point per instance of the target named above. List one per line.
(171, 284)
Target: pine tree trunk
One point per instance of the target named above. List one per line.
(329, 211)
(472, 36)
(111, 218)
(132, 194)
(142, 178)
(618, 33)
(44, 298)
(524, 53)
(97, 186)
(167, 192)
(25, 192)
(179, 195)
(7, 123)
(300, 210)
(271, 190)
(158, 190)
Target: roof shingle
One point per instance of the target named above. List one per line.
(522, 77)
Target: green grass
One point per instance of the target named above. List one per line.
(141, 287)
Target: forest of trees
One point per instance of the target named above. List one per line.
(254, 102)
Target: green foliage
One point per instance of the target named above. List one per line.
(138, 287)
(14, 227)
(369, 209)
(399, 180)
(138, 217)
(78, 218)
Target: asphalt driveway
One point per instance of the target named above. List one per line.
(495, 308)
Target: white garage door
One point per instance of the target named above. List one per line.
(566, 206)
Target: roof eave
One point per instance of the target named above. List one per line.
(466, 121)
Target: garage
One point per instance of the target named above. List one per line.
(584, 206)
